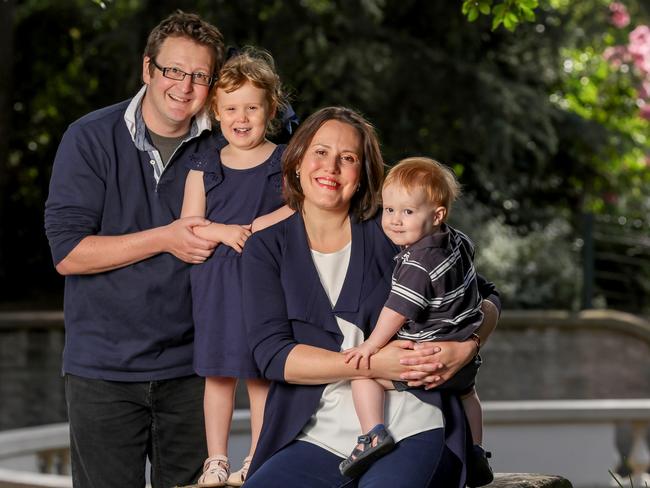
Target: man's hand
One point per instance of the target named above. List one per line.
(180, 240)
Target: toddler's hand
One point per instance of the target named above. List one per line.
(235, 236)
(360, 355)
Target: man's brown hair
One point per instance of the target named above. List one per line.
(190, 26)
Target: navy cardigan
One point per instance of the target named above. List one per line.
(285, 305)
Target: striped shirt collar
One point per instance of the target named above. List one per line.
(439, 239)
(138, 130)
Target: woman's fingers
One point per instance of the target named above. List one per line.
(426, 348)
(420, 371)
(421, 356)
(427, 380)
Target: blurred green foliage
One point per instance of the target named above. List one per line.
(508, 13)
(534, 121)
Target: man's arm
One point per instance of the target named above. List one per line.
(76, 206)
(96, 254)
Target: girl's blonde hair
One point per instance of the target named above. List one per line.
(437, 180)
(257, 67)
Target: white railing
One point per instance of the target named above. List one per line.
(580, 440)
(35, 457)
(577, 439)
(39, 457)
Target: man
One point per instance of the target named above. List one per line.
(112, 222)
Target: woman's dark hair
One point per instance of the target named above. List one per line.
(365, 201)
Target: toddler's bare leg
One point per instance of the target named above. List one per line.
(386, 384)
(472, 406)
(368, 396)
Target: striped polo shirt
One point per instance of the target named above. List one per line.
(434, 286)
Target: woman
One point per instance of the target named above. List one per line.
(313, 285)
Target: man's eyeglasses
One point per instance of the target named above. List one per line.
(179, 75)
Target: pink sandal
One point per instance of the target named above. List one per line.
(238, 477)
(216, 470)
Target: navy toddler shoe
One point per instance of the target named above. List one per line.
(479, 472)
(361, 459)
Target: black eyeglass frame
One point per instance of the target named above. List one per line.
(166, 70)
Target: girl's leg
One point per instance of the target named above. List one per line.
(368, 396)
(257, 391)
(299, 465)
(474, 414)
(420, 460)
(218, 404)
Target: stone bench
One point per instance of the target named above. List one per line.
(512, 480)
(524, 480)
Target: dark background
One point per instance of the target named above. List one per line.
(538, 127)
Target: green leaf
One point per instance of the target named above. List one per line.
(499, 10)
(529, 15)
(485, 8)
(473, 14)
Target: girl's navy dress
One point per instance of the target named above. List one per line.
(232, 197)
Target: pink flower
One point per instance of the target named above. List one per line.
(620, 17)
(643, 90)
(640, 35)
(639, 48)
(617, 55)
(644, 111)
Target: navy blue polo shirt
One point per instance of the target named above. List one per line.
(132, 323)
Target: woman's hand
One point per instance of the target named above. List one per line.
(388, 363)
(437, 362)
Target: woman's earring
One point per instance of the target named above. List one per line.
(358, 187)
(297, 173)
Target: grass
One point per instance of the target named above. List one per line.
(619, 483)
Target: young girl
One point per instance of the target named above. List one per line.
(231, 186)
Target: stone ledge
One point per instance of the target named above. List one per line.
(510, 480)
(524, 480)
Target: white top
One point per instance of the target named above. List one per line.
(335, 426)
